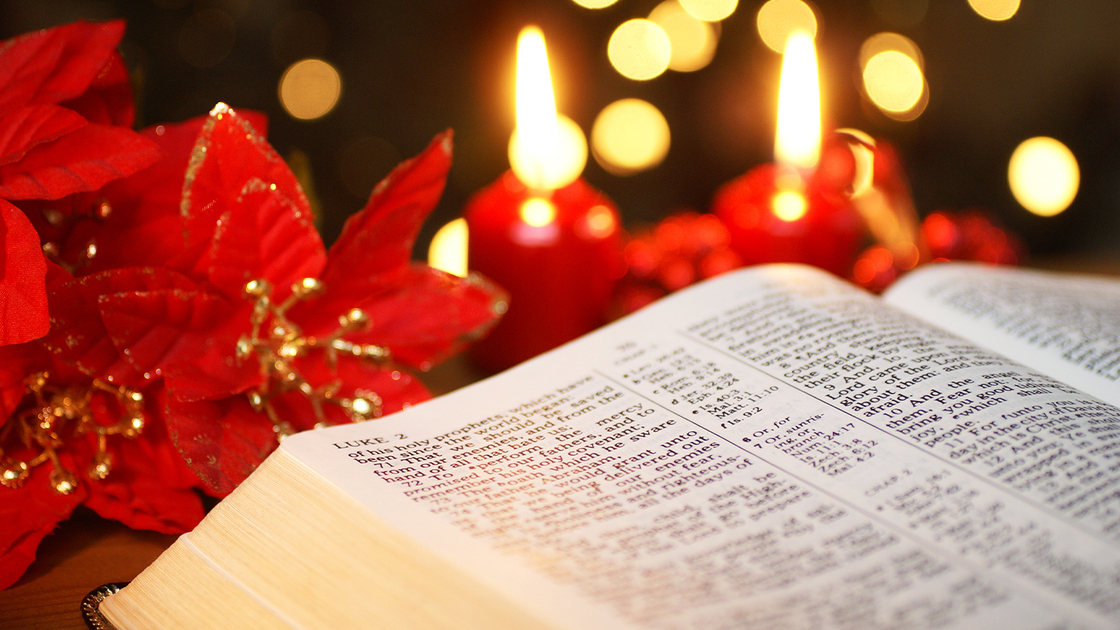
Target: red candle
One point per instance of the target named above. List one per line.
(791, 211)
(812, 223)
(558, 257)
(542, 233)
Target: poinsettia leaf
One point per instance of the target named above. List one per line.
(27, 127)
(221, 441)
(148, 486)
(27, 515)
(227, 155)
(82, 160)
(23, 270)
(422, 315)
(108, 100)
(380, 237)
(188, 337)
(264, 236)
(57, 64)
(79, 337)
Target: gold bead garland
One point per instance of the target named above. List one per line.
(55, 414)
(277, 342)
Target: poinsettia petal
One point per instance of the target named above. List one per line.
(148, 486)
(380, 237)
(221, 441)
(394, 388)
(422, 315)
(144, 227)
(264, 236)
(108, 100)
(226, 157)
(23, 270)
(17, 362)
(57, 64)
(188, 337)
(29, 513)
(79, 337)
(27, 127)
(82, 160)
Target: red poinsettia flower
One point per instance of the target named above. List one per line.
(253, 326)
(69, 440)
(65, 111)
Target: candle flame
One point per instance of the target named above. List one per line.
(798, 139)
(536, 104)
(547, 151)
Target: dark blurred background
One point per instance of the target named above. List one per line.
(412, 68)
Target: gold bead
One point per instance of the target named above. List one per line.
(308, 287)
(63, 481)
(256, 400)
(371, 351)
(257, 288)
(361, 409)
(14, 473)
(133, 426)
(354, 317)
(244, 347)
(101, 466)
(54, 217)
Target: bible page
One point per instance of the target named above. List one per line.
(774, 448)
(1067, 326)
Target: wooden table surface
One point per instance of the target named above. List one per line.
(88, 551)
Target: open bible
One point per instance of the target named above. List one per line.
(773, 448)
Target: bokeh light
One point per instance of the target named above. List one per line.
(448, 250)
(537, 212)
(639, 49)
(893, 77)
(893, 81)
(692, 42)
(598, 223)
(1044, 176)
(594, 4)
(778, 19)
(789, 205)
(710, 10)
(883, 42)
(309, 89)
(995, 10)
(206, 38)
(629, 136)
